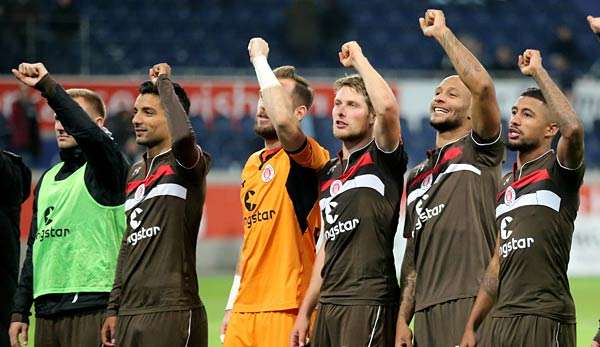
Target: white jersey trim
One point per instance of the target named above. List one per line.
(417, 193)
(490, 143)
(362, 181)
(165, 189)
(540, 198)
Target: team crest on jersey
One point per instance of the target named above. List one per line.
(509, 196)
(268, 173)
(335, 187)
(427, 182)
(139, 192)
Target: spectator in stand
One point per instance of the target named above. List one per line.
(121, 127)
(303, 29)
(504, 59)
(65, 20)
(23, 123)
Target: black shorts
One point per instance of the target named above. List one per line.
(163, 329)
(79, 329)
(527, 331)
(349, 326)
(442, 324)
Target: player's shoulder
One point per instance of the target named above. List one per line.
(136, 169)
(416, 170)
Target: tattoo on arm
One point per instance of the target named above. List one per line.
(568, 122)
(408, 282)
(465, 63)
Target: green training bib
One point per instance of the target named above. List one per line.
(77, 241)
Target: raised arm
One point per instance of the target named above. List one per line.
(277, 101)
(485, 113)
(183, 140)
(486, 297)
(299, 334)
(408, 281)
(570, 145)
(100, 151)
(387, 112)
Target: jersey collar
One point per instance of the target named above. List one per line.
(354, 155)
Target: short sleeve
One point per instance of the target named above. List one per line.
(569, 179)
(395, 161)
(310, 155)
(488, 152)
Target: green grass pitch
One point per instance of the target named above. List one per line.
(214, 291)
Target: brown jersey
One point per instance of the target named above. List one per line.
(360, 202)
(450, 216)
(535, 212)
(157, 261)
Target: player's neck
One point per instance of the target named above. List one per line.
(157, 149)
(525, 157)
(443, 138)
(272, 144)
(350, 146)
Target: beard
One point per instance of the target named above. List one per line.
(447, 125)
(522, 146)
(267, 133)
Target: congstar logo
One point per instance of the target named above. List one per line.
(425, 213)
(52, 232)
(247, 203)
(47, 212)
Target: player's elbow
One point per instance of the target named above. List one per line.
(573, 130)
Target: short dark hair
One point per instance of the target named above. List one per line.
(91, 97)
(535, 93)
(302, 94)
(150, 88)
(357, 83)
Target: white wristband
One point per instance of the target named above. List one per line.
(264, 74)
(235, 288)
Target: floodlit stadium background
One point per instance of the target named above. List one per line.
(109, 45)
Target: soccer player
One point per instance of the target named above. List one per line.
(535, 211)
(279, 189)
(78, 222)
(354, 279)
(15, 187)
(449, 220)
(154, 300)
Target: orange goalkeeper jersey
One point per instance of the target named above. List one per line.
(279, 191)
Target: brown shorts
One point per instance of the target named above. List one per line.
(527, 331)
(163, 329)
(355, 326)
(79, 329)
(442, 324)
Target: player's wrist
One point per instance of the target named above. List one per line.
(441, 33)
(235, 288)
(264, 74)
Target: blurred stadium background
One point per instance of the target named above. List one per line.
(109, 45)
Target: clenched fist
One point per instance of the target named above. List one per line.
(433, 24)
(530, 62)
(159, 69)
(258, 47)
(30, 74)
(350, 53)
(594, 24)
